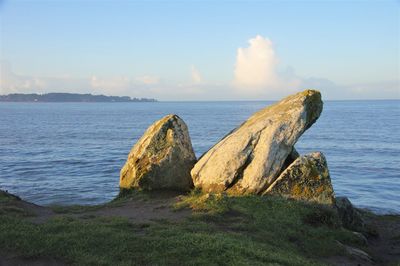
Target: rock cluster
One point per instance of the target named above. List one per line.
(251, 157)
(258, 157)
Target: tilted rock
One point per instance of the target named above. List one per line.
(161, 159)
(307, 178)
(251, 157)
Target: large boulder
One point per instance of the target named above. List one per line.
(307, 178)
(161, 159)
(251, 157)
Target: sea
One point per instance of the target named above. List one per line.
(71, 153)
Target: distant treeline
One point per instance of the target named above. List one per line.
(68, 97)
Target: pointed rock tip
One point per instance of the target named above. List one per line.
(309, 92)
(161, 159)
(170, 116)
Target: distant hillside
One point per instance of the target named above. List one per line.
(68, 97)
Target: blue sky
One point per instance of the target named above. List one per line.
(202, 50)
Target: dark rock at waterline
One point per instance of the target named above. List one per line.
(351, 218)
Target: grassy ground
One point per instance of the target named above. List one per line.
(222, 230)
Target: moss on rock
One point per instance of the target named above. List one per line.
(161, 159)
(307, 178)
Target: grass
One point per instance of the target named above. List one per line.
(223, 230)
(6, 197)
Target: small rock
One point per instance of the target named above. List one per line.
(307, 178)
(357, 253)
(361, 237)
(350, 217)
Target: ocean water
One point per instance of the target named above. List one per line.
(71, 153)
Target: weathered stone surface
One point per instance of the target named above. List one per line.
(161, 159)
(350, 216)
(307, 178)
(251, 157)
(357, 253)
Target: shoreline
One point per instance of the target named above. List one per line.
(376, 211)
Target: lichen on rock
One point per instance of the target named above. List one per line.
(307, 178)
(161, 159)
(251, 157)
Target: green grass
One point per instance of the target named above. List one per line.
(223, 230)
(6, 197)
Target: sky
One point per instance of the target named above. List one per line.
(201, 50)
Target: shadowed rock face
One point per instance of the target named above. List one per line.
(350, 216)
(161, 159)
(251, 157)
(307, 178)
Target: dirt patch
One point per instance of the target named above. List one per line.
(150, 207)
(156, 207)
(383, 243)
(385, 246)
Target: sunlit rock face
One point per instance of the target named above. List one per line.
(307, 179)
(161, 159)
(251, 157)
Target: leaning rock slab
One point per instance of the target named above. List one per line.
(161, 159)
(307, 178)
(251, 157)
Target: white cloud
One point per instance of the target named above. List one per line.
(257, 75)
(148, 80)
(117, 85)
(113, 84)
(11, 82)
(196, 76)
(256, 70)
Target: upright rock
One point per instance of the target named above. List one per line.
(307, 178)
(251, 157)
(161, 159)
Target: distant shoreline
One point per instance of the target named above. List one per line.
(69, 97)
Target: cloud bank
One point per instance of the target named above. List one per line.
(257, 75)
(256, 71)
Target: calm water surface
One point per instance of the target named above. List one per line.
(71, 153)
